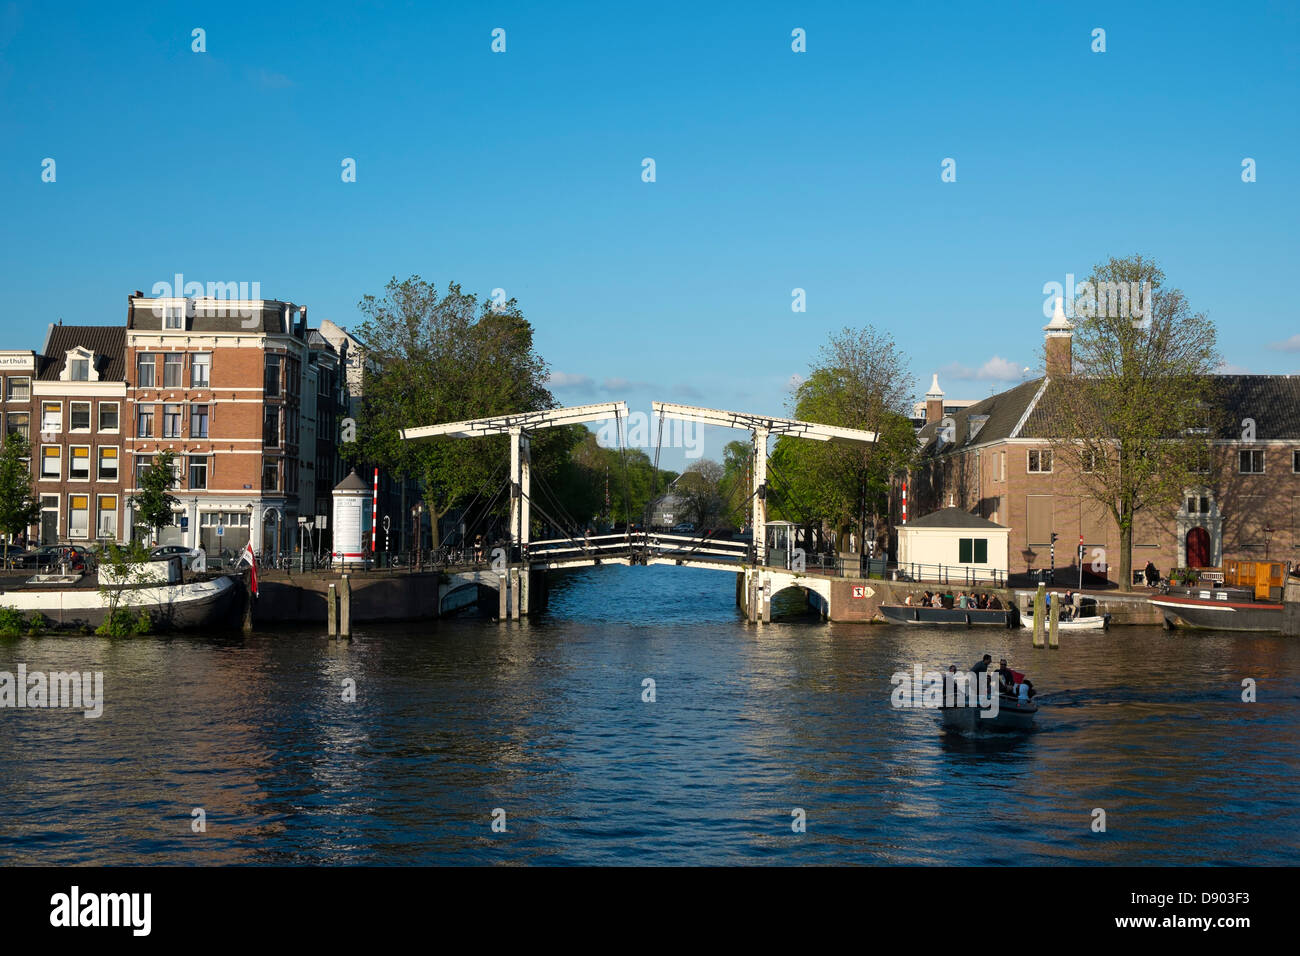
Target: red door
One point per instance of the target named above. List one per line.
(1198, 548)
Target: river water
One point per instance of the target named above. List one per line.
(545, 720)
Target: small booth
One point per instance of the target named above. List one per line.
(780, 543)
(956, 541)
(351, 521)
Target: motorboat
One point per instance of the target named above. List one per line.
(1095, 622)
(1013, 715)
(1250, 598)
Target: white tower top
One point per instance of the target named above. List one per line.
(935, 391)
(1059, 325)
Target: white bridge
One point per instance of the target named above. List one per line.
(513, 578)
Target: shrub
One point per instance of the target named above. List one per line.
(38, 625)
(12, 622)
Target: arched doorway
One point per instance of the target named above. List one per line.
(1198, 548)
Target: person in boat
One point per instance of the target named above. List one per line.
(908, 600)
(981, 665)
(995, 604)
(927, 599)
(962, 600)
(1067, 606)
(947, 600)
(1006, 678)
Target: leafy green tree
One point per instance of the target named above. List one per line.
(699, 487)
(860, 380)
(580, 482)
(122, 570)
(19, 505)
(432, 357)
(1133, 419)
(153, 500)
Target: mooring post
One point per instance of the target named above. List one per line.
(503, 599)
(1054, 617)
(248, 611)
(345, 607)
(766, 597)
(332, 610)
(1040, 613)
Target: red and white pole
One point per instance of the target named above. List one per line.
(374, 512)
(904, 521)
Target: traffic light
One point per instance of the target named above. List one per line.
(1053, 537)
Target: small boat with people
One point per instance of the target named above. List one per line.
(1094, 622)
(1016, 706)
(946, 609)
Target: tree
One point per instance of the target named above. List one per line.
(435, 357)
(153, 501)
(19, 505)
(861, 380)
(1133, 419)
(698, 488)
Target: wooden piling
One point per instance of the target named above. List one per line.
(345, 607)
(1040, 612)
(332, 611)
(503, 599)
(1054, 619)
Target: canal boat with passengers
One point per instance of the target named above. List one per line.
(949, 616)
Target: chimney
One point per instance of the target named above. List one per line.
(934, 401)
(1060, 337)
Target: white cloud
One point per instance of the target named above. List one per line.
(1228, 368)
(996, 369)
(1287, 345)
(567, 380)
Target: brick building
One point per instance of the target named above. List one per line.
(219, 383)
(993, 459)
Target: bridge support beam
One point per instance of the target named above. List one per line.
(759, 490)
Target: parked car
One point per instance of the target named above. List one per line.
(684, 527)
(49, 555)
(186, 554)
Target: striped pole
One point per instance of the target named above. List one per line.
(904, 521)
(374, 512)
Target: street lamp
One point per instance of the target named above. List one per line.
(1268, 534)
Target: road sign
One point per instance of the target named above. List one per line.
(859, 590)
(221, 531)
(185, 522)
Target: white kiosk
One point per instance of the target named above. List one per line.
(351, 521)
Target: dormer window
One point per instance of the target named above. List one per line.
(79, 366)
(174, 317)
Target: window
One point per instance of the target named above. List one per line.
(271, 427)
(1040, 462)
(146, 370)
(174, 317)
(173, 364)
(198, 472)
(108, 416)
(78, 516)
(79, 370)
(1251, 461)
(19, 388)
(1201, 463)
(271, 380)
(1088, 461)
(229, 519)
(141, 466)
(144, 421)
(108, 463)
(171, 421)
(19, 423)
(1198, 504)
(290, 475)
(51, 461)
(271, 474)
(106, 527)
(51, 418)
(973, 551)
(79, 463)
(200, 369)
(1295, 462)
(79, 416)
(198, 421)
(291, 426)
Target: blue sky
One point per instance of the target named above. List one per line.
(775, 170)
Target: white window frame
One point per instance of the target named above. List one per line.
(58, 458)
(72, 529)
(99, 516)
(9, 388)
(90, 417)
(1252, 452)
(99, 418)
(174, 360)
(207, 419)
(180, 420)
(45, 429)
(195, 364)
(72, 458)
(1040, 452)
(99, 463)
(152, 363)
(173, 317)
